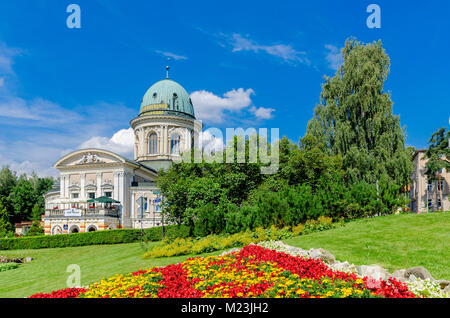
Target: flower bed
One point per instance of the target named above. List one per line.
(254, 271)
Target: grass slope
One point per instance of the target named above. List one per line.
(47, 271)
(394, 242)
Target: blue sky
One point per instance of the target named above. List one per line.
(245, 63)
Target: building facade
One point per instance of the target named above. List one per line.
(428, 195)
(163, 129)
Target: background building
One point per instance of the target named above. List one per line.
(427, 195)
(163, 130)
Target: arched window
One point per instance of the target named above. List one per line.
(175, 144)
(153, 144)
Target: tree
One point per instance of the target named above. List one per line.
(8, 180)
(6, 227)
(36, 213)
(355, 120)
(23, 199)
(35, 229)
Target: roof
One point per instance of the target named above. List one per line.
(167, 97)
(417, 151)
(119, 157)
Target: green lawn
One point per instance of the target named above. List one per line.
(396, 241)
(393, 242)
(47, 271)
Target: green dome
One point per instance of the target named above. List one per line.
(167, 97)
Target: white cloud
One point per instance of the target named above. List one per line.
(210, 107)
(6, 58)
(211, 142)
(172, 55)
(122, 142)
(283, 51)
(262, 112)
(36, 132)
(36, 112)
(333, 57)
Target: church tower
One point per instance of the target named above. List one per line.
(165, 124)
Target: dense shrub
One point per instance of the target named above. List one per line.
(36, 229)
(8, 266)
(93, 238)
(210, 243)
(182, 246)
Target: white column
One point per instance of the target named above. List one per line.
(143, 151)
(116, 186)
(99, 185)
(161, 140)
(133, 200)
(166, 140)
(121, 188)
(66, 186)
(61, 186)
(82, 185)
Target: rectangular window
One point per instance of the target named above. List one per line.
(439, 203)
(75, 195)
(91, 195)
(430, 204)
(146, 206)
(441, 185)
(430, 186)
(108, 194)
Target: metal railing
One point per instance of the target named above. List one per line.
(84, 212)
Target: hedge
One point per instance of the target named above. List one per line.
(93, 238)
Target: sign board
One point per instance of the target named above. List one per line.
(72, 212)
(66, 227)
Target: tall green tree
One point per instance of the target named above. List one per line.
(355, 119)
(23, 199)
(438, 153)
(6, 227)
(8, 180)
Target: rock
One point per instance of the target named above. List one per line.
(28, 259)
(446, 290)
(342, 266)
(296, 251)
(412, 278)
(443, 283)
(400, 275)
(4, 259)
(323, 255)
(375, 271)
(419, 272)
(230, 251)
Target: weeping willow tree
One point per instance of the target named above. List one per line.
(355, 118)
(438, 153)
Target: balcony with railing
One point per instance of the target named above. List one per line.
(89, 212)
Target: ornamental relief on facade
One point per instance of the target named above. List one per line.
(90, 158)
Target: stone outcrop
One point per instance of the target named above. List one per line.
(419, 272)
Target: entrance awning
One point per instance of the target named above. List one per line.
(103, 200)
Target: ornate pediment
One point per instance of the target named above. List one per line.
(89, 157)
